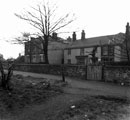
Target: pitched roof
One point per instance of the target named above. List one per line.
(97, 41)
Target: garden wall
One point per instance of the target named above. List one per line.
(117, 74)
(77, 71)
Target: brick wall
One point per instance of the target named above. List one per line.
(77, 71)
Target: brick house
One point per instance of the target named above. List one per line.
(107, 48)
(34, 52)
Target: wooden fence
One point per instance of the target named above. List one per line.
(94, 72)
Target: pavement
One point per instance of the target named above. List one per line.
(78, 86)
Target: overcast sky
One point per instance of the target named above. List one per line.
(96, 17)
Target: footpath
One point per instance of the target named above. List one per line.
(78, 86)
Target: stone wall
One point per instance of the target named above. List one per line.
(76, 71)
(117, 74)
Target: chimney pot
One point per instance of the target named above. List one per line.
(74, 36)
(83, 35)
(54, 35)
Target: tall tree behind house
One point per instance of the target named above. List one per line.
(42, 18)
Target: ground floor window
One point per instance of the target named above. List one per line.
(34, 58)
(80, 61)
(107, 59)
(41, 58)
(69, 61)
(27, 58)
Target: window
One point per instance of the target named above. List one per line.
(111, 50)
(28, 50)
(41, 46)
(27, 58)
(107, 59)
(41, 58)
(81, 61)
(34, 58)
(105, 50)
(107, 53)
(82, 51)
(69, 51)
(69, 61)
(111, 59)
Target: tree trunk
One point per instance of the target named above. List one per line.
(127, 38)
(127, 51)
(5, 78)
(30, 52)
(45, 48)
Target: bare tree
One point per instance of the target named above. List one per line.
(6, 77)
(22, 39)
(42, 17)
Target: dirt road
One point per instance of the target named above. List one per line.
(83, 86)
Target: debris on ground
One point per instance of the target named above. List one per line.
(96, 108)
(26, 93)
(29, 91)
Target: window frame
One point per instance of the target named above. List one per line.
(81, 51)
(69, 61)
(102, 51)
(109, 50)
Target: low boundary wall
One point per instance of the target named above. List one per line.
(117, 74)
(77, 71)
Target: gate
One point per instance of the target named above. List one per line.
(94, 72)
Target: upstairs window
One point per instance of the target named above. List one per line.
(105, 50)
(35, 49)
(107, 59)
(82, 51)
(41, 45)
(111, 50)
(108, 50)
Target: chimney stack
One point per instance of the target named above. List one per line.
(83, 35)
(127, 34)
(69, 39)
(127, 24)
(74, 36)
(127, 30)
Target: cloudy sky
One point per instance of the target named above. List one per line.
(96, 17)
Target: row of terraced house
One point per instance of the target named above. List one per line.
(107, 48)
